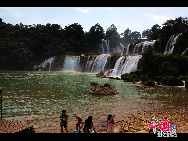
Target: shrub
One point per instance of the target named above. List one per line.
(137, 72)
(134, 77)
(149, 83)
(94, 83)
(164, 81)
(186, 83)
(123, 76)
(184, 78)
(168, 69)
(171, 81)
(158, 78)
(143, 78)
(126, 77)
(101, 73)
(106, 85)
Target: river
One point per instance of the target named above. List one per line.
(38, 97)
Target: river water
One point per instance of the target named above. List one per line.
(38, 97)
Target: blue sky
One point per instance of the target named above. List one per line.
(134, 18)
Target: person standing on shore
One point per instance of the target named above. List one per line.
(110, 123)
(64, 119)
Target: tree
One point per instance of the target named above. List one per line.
(75, 36)
(130, 36)
(153, 33)
(135, 35)
(113, 36)
(94, 37)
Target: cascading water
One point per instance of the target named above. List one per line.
(139, 48)
(48, 61)
(118, 66)
(131, 64)
(119, 48)
(104, 47)
(97, 63)
(125, 65)
(170, 44)
(71, 63)
(185, 52)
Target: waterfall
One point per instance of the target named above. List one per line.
(137, 49)
(119, 48)
(99, 63)
(185, 52)
(48, 61)
(71, 63)
(131, 64)
(89, 63)
(127, 50)
(125, 65)
(170, 44)
(104, 47)
(94, 64)
(118, 66)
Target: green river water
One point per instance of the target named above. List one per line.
(38, 97)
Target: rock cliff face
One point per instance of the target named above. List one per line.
(102, 90)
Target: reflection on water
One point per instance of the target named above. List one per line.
(39, 97)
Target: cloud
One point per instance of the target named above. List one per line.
(159, 18)
(85, 11)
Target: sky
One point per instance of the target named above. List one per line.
(134, 18)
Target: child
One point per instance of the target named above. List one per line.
(64, 119)
(110, 124)
(78, 123)
(88, 125)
